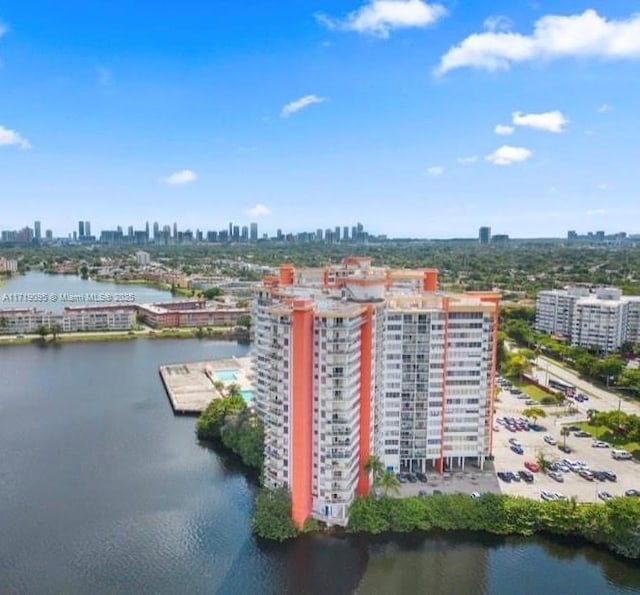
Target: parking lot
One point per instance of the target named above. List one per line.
(599, 459)
(465, 482)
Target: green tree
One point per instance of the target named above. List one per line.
(211, 421)
(389, 483)
(212, 293)
(245, 321)
(272, 515)
(42, 331)
(84, 272)
(56, 329)
(534, 413)
(564, 432)
(543, 462)
(374, 467)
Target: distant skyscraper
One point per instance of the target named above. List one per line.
(337, 233)
(345, 233)
(484, 236)
(230, 229)
(245, 233)
(236, 233)
(37, 231)
(254, 232)
(130, 231)
(146, 229)
(156, 230)
(80, 229)
(49, 235)
(319, 235)
(175, 231)
(87, 228)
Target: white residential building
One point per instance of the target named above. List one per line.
(602, 319)
(143, 258)
(8, 266)
(356, 360)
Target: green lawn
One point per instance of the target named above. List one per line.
(602, 433)
(529, 389)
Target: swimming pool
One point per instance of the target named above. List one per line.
(226, 375)
(247, 395)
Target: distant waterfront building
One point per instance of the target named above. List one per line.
(484, 236)
(143, 258)
(353, 360)
(8, 266)
(189, 313)
(602, 319)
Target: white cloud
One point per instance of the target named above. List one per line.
(380, 17)
(506, 155)
(497, 22)
(435, 170)
(605, 107)
(259, 210)
(298, 104)
(105, 76)
(10, 138)
(550, 121)
(503, 130)
(467, 160)
(185, 176)
(585, 35)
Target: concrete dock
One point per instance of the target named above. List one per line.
(191, 386)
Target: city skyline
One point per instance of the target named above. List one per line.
(419, 119)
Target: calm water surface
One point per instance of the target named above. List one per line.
(104, 491)
(42, 283)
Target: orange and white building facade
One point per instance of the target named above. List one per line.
(355, 360)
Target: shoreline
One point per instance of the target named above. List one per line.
(112, 336)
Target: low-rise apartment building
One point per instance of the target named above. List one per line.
(189, 313)
(8, 266)
(602, 319)
(22, 321)
(354, 360)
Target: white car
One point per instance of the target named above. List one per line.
(600, 444)
(556, 475)
(550, 440)
(496, 428)
(547, 495)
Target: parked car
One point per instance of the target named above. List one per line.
(547, 495)
(475, 495)
(421, 477)
(530, 402)
(437, 493)
(610, 475)
(600, 444)
(556, 475)
(412, 477)
(532, 466)
(423, 493)
(575, 428)
(632, 492)
(513, 476)
(518, 450)
(604, 496)
(586, 474)
(621, 455)
(582, 434)
(514, 442)
(537, 428)
(550, 440)
(503, 476)
(402, 477)
(526, 476)
(599, 475)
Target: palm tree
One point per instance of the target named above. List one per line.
(233, 390)
(534, 413)
(3, 322)
(389, 483)
(564, 432)
(374, 466)
(56, 329)
(542, 461)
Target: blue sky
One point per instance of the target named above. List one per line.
(122, 112)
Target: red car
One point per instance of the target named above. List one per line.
(533, 467)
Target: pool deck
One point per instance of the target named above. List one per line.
(190, 386)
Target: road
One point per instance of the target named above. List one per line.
(599, 399)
